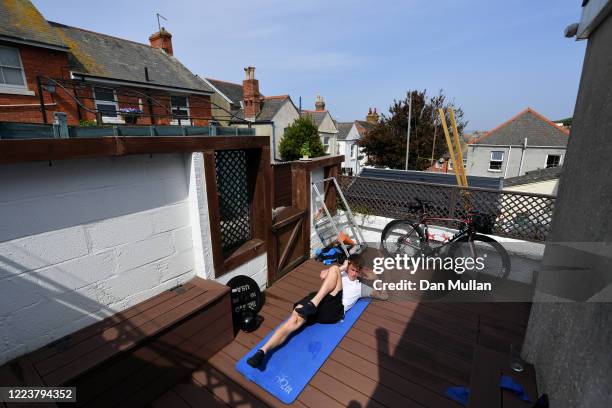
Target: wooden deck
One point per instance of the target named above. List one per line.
(397, 354)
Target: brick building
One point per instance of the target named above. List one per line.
(48, 67)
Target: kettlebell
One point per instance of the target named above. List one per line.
(248, 320)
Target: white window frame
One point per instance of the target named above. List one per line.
(108, 119)
(16, 89)
(184, 122)
(501, 162)
(546, 161)
(353, 151)
(326, 146)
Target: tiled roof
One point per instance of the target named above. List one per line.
(231, 90)
(529, 124)
(316, 116)
(534, 176)
(270, 105)
(19, 19)
(343, 129)
(102, 55)
(363, 127)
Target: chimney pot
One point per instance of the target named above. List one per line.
(372, 116)
(319, 104)
(162, 40)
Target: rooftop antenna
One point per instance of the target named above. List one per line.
(158, 23)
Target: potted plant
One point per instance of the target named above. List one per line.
(305, 151)
(130, 115)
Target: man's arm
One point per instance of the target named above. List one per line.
(367, 273)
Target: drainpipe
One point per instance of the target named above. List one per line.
(274, 141)
(522, 156)
(507, 161)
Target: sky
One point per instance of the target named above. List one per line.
(492, 58)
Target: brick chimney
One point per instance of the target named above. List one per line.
(162, 40)
(251, 96)
(372, 116)
(320, 104)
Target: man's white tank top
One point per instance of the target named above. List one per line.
(351, 291)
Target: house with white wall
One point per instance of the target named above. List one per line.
(326, 125)
(524, 143)
(349, 133)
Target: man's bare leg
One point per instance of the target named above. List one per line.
(332, 283)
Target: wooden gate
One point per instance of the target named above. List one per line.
(290, 242)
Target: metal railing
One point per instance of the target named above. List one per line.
(15, 130)
(516, 215)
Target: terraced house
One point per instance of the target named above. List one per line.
(48, 67)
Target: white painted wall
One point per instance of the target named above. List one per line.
(534, 158)
(283, 118)
(345, 149)
(541, 187)
(84, 239)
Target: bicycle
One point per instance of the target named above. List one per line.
(415, 239)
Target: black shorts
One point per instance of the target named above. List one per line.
(330, 310)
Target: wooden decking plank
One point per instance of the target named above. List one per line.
(389, 379)
(224, 388)
(341, 392)
(128, 329)
(408, 310)
(415, 354)
(97, 328)
(170, 400)
(443, 352)
(198, 396)
(423, 333)
(484, 380)
(359, 382)
(107, 349)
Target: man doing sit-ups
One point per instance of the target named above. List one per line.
(339, 291)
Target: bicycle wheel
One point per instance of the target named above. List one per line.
(495, 259)
(401, 237)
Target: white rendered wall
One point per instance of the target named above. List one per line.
(84, 239)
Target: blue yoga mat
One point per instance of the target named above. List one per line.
(289, 368)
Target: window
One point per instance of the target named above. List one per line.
(326, 143)
(553, 160)
(11, 70)
(180, 110)
(497, 158)
(106, 103)
(450, 164)
(353, 151)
